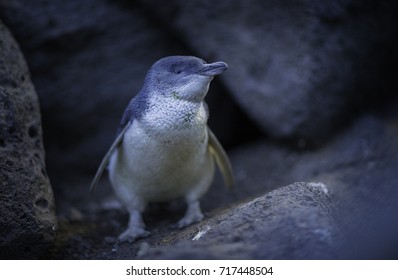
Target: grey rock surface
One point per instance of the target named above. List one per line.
(361, 173)
(298, 68)
(292, 222)
(27, 215)
(358, 167)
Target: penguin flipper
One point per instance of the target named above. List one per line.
(221, 158)
(105, 160)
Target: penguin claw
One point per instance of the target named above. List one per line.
(132, 234)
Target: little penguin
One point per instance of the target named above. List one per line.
(164, 149)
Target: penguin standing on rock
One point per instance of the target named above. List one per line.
(164, 148)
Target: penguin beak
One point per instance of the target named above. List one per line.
(213, 69)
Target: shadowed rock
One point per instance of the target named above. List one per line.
(293, 222)
(298, 68)
(27, 217)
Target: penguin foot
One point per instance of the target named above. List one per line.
(187, 221)
(193, 215)
(132, 234)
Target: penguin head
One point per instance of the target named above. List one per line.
(182, 77)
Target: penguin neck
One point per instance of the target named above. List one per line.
(170, 113)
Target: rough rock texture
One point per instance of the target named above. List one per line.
(298, 68)
(358, 167)
(293, 222)
(27, 217)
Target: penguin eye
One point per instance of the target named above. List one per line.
(177, 70)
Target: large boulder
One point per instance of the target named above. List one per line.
(359, 168)
(292, 222)
(298, 68)
(27, 216)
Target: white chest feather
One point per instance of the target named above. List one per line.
(164, 154)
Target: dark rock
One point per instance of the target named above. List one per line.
(293, 222)
(27, 216)
(359, 168)
(298, 68)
